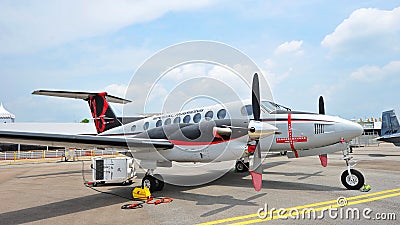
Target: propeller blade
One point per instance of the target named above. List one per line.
(256, 168)
(255, 97)
(321, 105)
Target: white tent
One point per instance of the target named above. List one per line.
(6, 115)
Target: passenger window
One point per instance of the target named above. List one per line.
(177, 120)
(247, 110)
(167, 121)
(209, 115)
(221, 113)
(197, 117)
(146, 126)
(186, 119)
(159, 123)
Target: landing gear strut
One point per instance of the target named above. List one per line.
(352, 179)
(153, 182)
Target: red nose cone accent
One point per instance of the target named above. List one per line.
(324, 160)
(257, 180)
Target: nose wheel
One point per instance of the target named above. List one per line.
(352, 179)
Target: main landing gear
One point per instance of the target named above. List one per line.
(352, 179)
(153, 182)
(242, 166)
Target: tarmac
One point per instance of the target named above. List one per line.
(54, 193)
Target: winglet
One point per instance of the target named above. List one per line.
(324, 160)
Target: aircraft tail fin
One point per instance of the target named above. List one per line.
(390, 123)
(104, 117)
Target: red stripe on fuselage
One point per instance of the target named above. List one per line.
(194, 143)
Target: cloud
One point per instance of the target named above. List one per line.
(290, 47)
(35, 25)
(367, 30)
(375, 73)
(116, 89)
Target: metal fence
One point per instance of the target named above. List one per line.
(45, 154)
(365, 140)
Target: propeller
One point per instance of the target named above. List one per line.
(321, 110)
(255, 97)
(256, 164)
(321, 105)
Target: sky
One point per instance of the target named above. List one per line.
(347, 51)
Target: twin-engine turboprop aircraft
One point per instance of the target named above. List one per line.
(234, 131)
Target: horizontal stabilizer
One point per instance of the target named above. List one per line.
(80, 95)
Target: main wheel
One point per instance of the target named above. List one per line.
(241, 166)
(159, 182)
(153, 183)
(354, 181)
(149, 182)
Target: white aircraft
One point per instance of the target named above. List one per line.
(202, 134)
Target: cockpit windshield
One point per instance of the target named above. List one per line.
(270, 106)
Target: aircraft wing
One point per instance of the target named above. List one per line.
(85, 141)
(393, 138)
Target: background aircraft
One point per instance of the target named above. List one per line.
(233, 131)
(390, 131)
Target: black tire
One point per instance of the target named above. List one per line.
(159, 182)
(356, 183)
(241, 166)
(149, 182)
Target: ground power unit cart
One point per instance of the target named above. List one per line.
(112, 170)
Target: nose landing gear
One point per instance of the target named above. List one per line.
(352, 179)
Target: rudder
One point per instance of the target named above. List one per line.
(390, 123)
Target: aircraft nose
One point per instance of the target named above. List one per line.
(352, 130)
